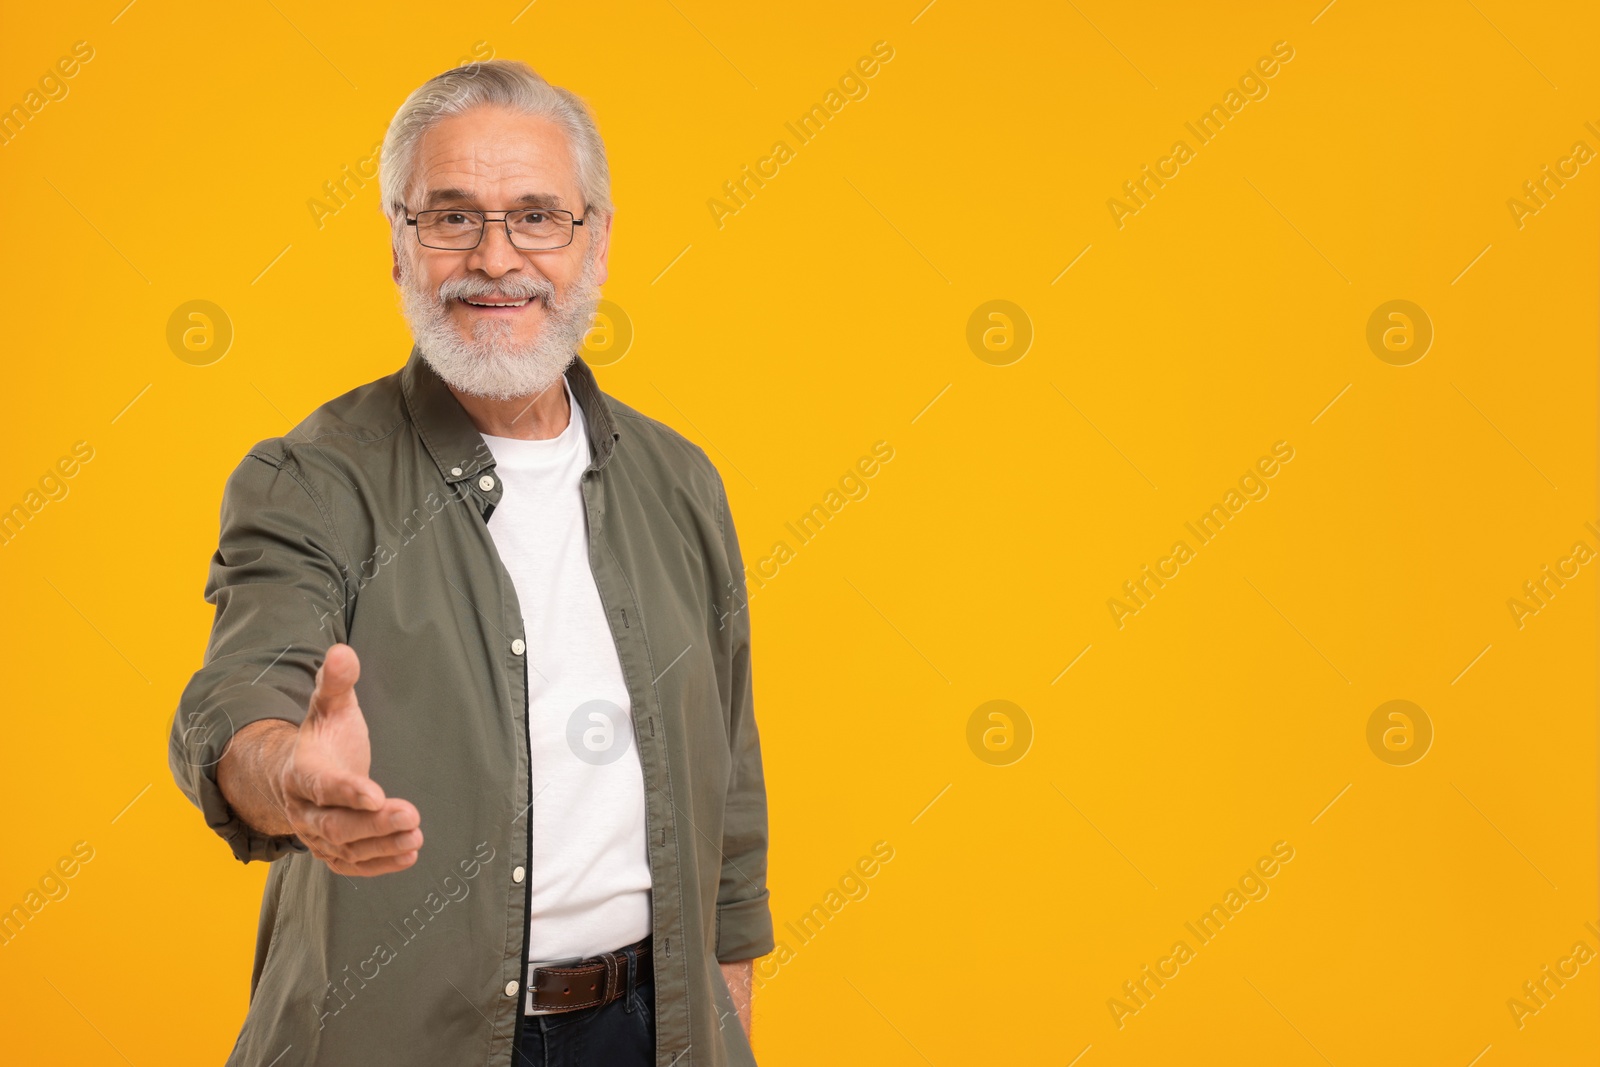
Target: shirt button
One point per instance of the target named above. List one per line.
(518, 647)
(516, 875)
(511, 989)
(455, 471)
(486, 483)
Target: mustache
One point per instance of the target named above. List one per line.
(510, 287)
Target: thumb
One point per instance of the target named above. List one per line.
(336, 680)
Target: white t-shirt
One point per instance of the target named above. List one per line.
(589, 869)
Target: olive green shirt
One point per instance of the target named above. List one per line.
(367, 524)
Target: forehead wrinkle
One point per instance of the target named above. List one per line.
(504, 150)
(449, 194)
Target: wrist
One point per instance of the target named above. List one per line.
(251, 774)
(278, 758)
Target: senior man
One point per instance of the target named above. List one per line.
(478, 684)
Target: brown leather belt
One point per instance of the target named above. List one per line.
(589, 982)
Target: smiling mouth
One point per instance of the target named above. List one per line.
(502, 303)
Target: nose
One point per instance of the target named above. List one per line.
(495, 254)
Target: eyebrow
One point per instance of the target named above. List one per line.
(454, 196)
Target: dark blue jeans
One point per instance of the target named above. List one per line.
(619, 1034)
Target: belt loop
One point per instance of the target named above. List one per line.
(633, 957)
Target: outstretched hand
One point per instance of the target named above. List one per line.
(340, 813)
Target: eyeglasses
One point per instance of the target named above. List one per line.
(530, 229)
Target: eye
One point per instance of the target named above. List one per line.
(453, 218)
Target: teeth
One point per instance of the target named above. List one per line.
(480, 303)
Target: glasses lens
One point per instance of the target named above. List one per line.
(449, 229)
(534, 229)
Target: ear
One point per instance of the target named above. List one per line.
(394, 250)
(603, 236)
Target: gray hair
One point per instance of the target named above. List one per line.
(507, 83)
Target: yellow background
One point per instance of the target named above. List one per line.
(825, 316)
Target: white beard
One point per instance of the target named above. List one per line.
(492, 364)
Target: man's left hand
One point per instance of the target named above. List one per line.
(739, 976)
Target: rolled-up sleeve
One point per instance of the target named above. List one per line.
(280, 599)
(744, 917)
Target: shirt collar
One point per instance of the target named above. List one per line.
(455, 443)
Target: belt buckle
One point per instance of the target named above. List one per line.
(528, 989)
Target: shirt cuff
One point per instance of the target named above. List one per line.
(744, 929)
(197, 749)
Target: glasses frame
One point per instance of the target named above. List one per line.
(504, 220)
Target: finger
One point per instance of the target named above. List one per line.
(317, 847)
(362, 851)
(384, 865)
(342, 826)
(335, 687)
(373, 848)
(343, 860)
